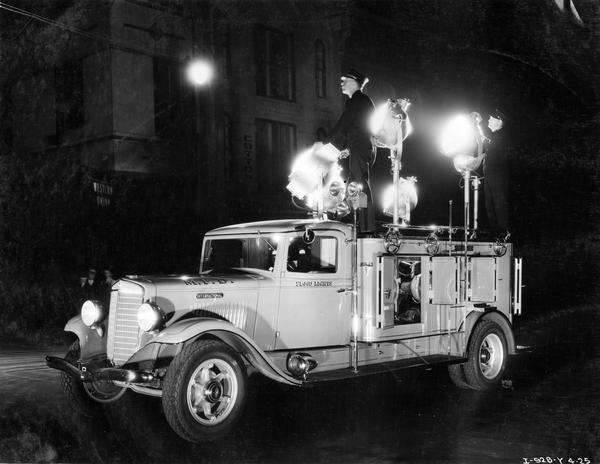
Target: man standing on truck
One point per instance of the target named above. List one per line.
(351, 134)
(495, 172)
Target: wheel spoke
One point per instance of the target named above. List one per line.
(197, 394)
(222, 376)
(204, 376)
(206, 410)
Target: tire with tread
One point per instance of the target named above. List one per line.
(457, 375)
(211, 359)
(74, 389)
(487, 355)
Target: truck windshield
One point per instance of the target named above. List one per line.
(223, 254)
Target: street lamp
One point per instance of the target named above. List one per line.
(200, 72)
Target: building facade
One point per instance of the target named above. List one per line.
(114, 93)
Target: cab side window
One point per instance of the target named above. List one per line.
(318, 257)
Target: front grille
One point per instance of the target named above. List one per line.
(123, 331)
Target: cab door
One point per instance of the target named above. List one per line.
(314, 307)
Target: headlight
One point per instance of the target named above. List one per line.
(150, 317)
(92, 312)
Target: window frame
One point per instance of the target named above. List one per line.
(262, 37)
(320, 69)
(271, 238)
(168, 114)
(69, 99)
(312, 273)
(271, 185)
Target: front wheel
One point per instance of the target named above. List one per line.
(85, 396)
(204, 391)
(487, 356)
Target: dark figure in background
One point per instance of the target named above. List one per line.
(89, 288)
(105, 287)
(351, 133)
(495, 172)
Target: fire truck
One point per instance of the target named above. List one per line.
(301, 301)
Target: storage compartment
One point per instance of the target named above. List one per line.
(399, 291)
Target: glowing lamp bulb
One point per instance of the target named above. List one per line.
(407, 197)
(458, 136)
(377, 118)
(200, 72)
(149, 317)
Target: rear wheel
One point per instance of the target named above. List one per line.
(457, 375)
(487, 356)
(204, 391)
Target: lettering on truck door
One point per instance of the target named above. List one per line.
(314, 309)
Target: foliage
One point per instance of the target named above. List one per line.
(52, 230)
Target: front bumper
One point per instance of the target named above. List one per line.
(93, 374)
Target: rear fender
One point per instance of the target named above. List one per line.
(475, 317)
(193, 329)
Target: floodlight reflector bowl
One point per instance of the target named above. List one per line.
(458, 136)
(407, 198)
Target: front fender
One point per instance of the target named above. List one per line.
(92, 342)
(197, 328)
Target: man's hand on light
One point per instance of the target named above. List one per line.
(345, 153)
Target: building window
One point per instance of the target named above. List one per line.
(275, 64)
(320, 74)
(68, 106)
(223, 42)
(167, 98)
(227, 154)
(275, 145)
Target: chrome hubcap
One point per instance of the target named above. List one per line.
(212, 391)
(491, 356)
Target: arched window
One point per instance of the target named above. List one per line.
(227, 154)
(320, 75)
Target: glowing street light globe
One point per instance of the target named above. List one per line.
(200, 72)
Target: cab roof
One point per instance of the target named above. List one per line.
(280, 226)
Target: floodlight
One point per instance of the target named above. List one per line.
(407, 198)
(389, 124)
(459, 136)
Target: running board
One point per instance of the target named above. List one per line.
(377, 368)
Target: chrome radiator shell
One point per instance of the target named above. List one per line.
(123, 334)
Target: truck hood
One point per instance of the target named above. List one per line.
(232, 296)
(179, 283)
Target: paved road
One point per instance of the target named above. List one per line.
(548, 409)
(23, 375)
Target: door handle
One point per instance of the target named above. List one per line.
(345, 290)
